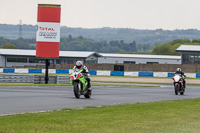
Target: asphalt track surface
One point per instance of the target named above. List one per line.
(35, 99)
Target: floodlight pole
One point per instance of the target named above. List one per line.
(46, 72)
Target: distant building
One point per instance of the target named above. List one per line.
(21, 57)
(138, 59)
(190, 54)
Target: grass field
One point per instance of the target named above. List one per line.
(180, 116)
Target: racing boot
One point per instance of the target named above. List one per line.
(184, 86)
(89, 87)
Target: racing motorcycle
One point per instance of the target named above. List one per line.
(178, 84)
(80, 84)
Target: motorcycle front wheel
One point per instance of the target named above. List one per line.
(176, 89)
(76, 90)
(182, 92)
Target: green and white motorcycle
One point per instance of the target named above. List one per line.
(80, 84)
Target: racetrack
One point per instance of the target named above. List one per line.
(34, 99)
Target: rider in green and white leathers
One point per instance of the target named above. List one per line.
(79, 66)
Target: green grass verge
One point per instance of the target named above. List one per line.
(180, 116)
(14, 84)
(142, 82)
(123, 85)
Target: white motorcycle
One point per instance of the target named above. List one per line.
(178, 84)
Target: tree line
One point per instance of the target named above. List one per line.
(83, 44)
(170, 47)
(128, 35)
(80, 44)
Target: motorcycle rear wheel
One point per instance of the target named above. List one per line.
(88, 94)
(76, 90)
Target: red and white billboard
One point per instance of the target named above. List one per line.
(48, 31)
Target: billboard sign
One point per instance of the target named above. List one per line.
(48, 31)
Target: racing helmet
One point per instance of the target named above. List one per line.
(79, 64)
(178, 70)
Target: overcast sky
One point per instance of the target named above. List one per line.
(137, 14)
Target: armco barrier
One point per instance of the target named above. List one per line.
(170, 74)
(35, 71)
(18, 70)
(62, 71)
(104, 73)
(145, 74)
(50, 71)
(99, 72)
(9, 70)
(131, 74)
(116, 73)
(191, 75)
(198, 75)
(160, 74)
(92, 72)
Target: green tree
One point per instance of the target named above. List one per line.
(173, 49)
(122, 52)
(181, 41)
(164, 49)
(8, 46)
(195, 41)
(170, 48)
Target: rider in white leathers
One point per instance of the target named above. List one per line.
(183, 76)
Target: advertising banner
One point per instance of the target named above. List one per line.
(48, 31)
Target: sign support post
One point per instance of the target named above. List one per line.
(46, 71)
(48, 34)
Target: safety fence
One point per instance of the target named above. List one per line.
(33, 79)
(4, 78)
(99, 72)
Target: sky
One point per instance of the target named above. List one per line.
(136, 14)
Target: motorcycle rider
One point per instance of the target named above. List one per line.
(79, 66)
(179, 71)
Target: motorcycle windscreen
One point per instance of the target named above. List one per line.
(176, 78)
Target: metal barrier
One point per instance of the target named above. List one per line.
(63, 79)
(4, 78)
(40, 79)
(33, 79)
